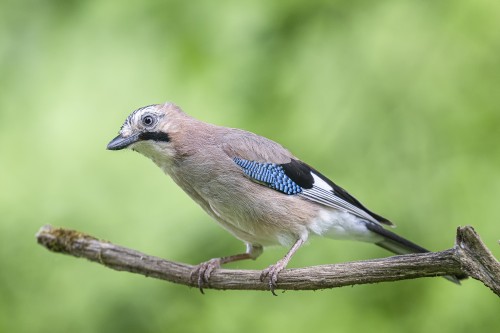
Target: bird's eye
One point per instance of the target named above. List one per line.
(148, 120)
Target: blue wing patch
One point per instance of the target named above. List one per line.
(271, 174)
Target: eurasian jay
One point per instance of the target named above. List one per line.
(253, 187)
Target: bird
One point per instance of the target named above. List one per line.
(253, 187)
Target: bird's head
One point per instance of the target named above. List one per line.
(148, 130)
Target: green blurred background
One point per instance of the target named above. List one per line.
(398, 101)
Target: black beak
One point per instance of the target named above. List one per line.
(121, 142)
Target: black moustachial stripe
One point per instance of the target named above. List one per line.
(155, 136)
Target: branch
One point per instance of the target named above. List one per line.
(469, 256)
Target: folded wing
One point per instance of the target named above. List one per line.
(298, 178)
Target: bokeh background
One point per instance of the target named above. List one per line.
(397, 101)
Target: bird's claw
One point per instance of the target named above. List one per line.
(272, 272)
(203, 271)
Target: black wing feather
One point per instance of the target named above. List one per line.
(301, 173)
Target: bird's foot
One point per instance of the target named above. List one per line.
(203, 271)
(272, 272)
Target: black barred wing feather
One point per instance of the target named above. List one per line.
(270, 174)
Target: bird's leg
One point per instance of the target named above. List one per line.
(203, 271)
(273, 270)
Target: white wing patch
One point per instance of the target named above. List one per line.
(318, 182)
(323, 193)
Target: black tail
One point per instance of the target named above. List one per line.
(399, 245)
